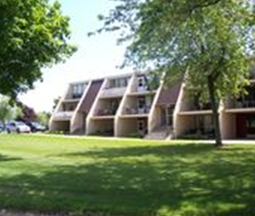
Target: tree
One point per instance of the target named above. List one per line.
(43, 117)
(34, 34)
(55, 103)
(7, 111)
(210, 40)
(26, 114)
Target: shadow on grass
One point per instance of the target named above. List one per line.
(4, 158)
(159, 150)
(191, 180)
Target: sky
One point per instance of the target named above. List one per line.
(97, 56)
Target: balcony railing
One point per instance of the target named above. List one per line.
(113, 92)
(72, 97)
(241, 104)
(76, 96)
(65, 115)
(142, 88)
(191, 106)
(106, 112)
(136, 110)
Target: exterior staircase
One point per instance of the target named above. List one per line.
(161, 133)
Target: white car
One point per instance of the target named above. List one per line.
(18, 127)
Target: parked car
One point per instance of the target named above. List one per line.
(36, 126)
(18, 127)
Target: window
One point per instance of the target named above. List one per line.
(123, 82)
(170, 111)
(78, 89)
(250, 124)
(204, 124)
(141, 102)
(141, 81)
(119, 83)
(112, 83)
(114, 104)
(141, 126)
(149, 100)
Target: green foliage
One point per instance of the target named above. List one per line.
(153, 81)
(55, 102)
(210, 41)
(27, 114)
(107, 177)
(7, 112)
(135, 135)
(43, 117)
(205, 38)
(34, 34)
(54, 132)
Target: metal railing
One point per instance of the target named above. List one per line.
(113, 92)
(136, 110)
(64, 115)
(106, 112)
(191, 106)
(241, 104)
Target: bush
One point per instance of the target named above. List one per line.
(135, 135)
(191, 136)
(54, 132)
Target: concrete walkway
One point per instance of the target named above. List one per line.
(137, 139)
(238, 142)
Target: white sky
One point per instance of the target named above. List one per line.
(97, 56)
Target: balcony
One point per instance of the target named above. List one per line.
(113, 92)
(142, 93)
(245, 102)
(146, 83)
(241, 104)
(197, 127)
(107, 107)
(72, 96)
(203, 106)
(63, 116)
(76, 96)
(71, 100)
(198, 133)
(136, 111)
(68, 106)
(142, 88)
(106, 112)
(252, 73)
(192, 106)
(76, 90)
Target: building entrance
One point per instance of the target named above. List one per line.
(167, 116)
(245, 126)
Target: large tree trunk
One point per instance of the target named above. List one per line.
(215, 114)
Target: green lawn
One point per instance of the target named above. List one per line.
(125, 177)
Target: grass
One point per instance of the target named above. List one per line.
(125, 177)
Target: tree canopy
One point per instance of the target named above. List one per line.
(210, 40)
(43, 117)
(34, 34)
(7, 112)
(26, 114)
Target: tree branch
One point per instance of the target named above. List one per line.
(216, 72)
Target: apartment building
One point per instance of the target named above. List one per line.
(127, 106)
